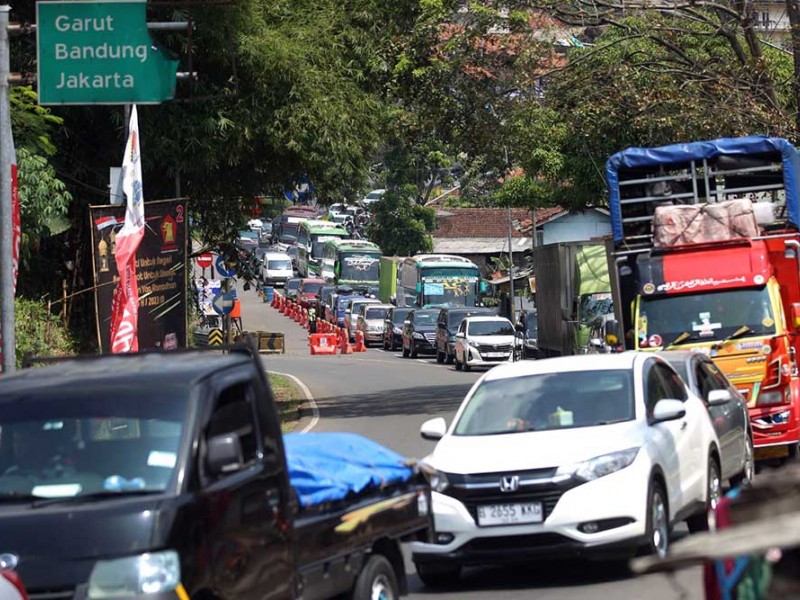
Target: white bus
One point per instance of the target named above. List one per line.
(438, 280)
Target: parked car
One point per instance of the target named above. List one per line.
(370, 321)
(372, 197)
(293, 288)
(352, 312)
(446, 327)
(484, 342)
(166, 475)
(419, 332)
(592, 455)
(393, 327)
(307, 293)
(729, 418)
(276, 269)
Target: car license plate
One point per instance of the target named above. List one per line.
(771, 452)
(510, 514)
(495, 354)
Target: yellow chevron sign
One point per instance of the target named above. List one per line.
(215, 337)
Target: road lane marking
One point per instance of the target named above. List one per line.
(309, 398)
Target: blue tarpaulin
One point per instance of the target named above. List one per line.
(325, 467)
(638, 158)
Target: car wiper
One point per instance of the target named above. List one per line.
(743, 330)
(102, 495)
(16, 497)
(683, 338)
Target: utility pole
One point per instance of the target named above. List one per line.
(7, 320)
(511, 266)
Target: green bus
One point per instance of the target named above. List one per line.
(311, 238)
(438, 280)
(351, 262)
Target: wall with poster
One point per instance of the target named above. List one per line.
(160, 272)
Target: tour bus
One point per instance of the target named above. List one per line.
(438, 280)
(351, 262)
(311, 238)
(286, 227)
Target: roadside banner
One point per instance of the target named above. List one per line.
(16, 226)
(160, 272)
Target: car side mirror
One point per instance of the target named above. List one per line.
(668, 410)
(433, 429)
(224, 454)
(719, 397)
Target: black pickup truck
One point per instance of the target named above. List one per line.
(165, 475)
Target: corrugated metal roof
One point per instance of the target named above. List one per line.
(479, 245)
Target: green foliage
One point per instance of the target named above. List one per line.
(39, 333)
(31, 123)
(523, 191)
(401, 227)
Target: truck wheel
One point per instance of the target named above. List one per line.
(699, 522)
(438, 576)
(377, 581)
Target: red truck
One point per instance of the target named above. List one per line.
(705, 256)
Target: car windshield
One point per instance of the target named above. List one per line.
(399, 315)
(73, 442)
(293, 284)
(548, 401)
(376, 313)
(704, 317)
(531, 325)
(311, 288)
(423, 318)
(279, 265)
(499, 327)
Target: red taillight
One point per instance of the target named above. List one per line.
(14, 579)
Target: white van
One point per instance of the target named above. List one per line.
(276, 268)
(484, 341)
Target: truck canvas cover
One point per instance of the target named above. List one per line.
(326, 467)
(697, 172)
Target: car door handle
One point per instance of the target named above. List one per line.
(684, 425)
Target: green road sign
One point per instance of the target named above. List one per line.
(100, 53)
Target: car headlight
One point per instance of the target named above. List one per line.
(418, 336)
(600, 466)
(438, 481)
(397, 331)
(474, 345)
(150, 573)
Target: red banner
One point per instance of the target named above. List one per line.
(125, 305)
(16, 226)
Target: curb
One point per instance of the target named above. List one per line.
(309, 402)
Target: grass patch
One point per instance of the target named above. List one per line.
(288, 397)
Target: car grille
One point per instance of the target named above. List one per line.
(431, 337)
(494, 348)
(519, 542)
(537, 485)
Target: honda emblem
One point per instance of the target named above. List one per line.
(509, 483)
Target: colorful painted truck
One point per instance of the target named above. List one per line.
(705, 256)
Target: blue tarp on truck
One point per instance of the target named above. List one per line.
(326, 467)
(681, 154)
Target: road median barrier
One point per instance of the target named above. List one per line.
(266, 342)
(322, 343)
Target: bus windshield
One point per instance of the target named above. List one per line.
(359, 267)
(704, 317)
(318, 243)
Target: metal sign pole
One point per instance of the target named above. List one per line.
(6, 215)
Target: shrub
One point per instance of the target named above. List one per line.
(39, 333)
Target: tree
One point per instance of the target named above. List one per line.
(400, 226)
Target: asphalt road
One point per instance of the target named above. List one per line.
(383, 396)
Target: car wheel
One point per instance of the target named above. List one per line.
(699, 522)
(377, 580)
(439, 357)
(467, 366)
(405, 351)
(748, 469)
(438, 576)
(413, 350)
(657, 521)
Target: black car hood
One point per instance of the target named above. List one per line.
(425, 329)
(57, 545)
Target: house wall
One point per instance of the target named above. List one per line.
(576, 227)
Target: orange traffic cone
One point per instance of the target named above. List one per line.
(360, 345)
(344, 342)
